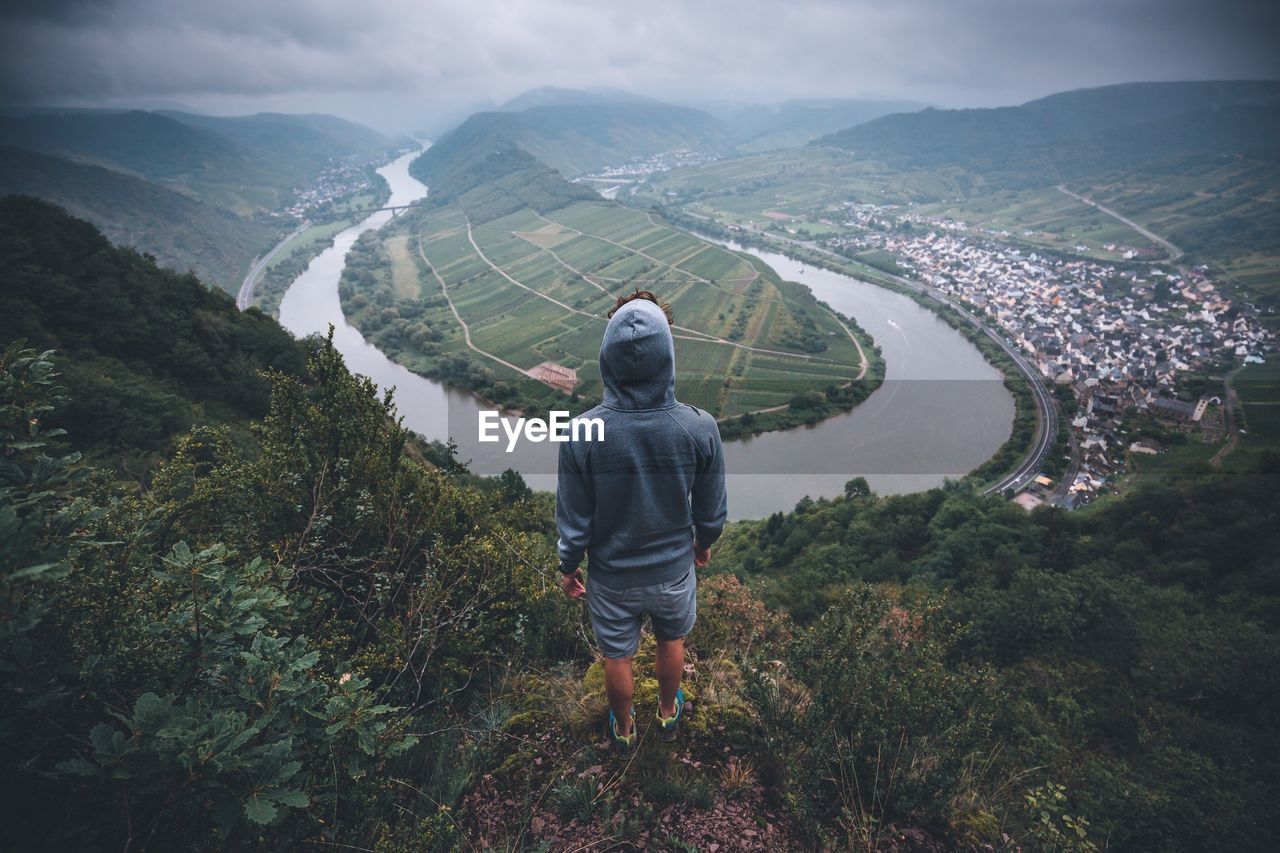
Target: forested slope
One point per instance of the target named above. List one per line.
(145, 352)
(182, 232)
(305, 635)
(1081, 133)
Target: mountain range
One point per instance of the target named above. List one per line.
(764, 127)
(1077, 133)
(191, 189)
(578, 138)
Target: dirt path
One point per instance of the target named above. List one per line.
(704, 336)
(1230, 404)
(466, 330)
(692, 275)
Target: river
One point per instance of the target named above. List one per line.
(941, 411)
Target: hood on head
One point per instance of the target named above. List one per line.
(638, 358)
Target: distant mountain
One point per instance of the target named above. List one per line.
(145, 352)
(148, 144)
(486, 173)
(296, 145)
(552, 96)
(243, 164)
(579, 138)
(182, 232)
(1079, 133)
(762, 127)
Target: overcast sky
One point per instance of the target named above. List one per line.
(405, 64)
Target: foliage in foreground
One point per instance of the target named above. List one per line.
(319, 639)
(249, 653)
(1134, 645)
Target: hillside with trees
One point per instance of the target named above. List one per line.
(245, 164)
(310, 634)
(766, 127)
(489, 177)
(1080, 133)
(145, 353)
(182, 232)
(576, 138)
(201, 193)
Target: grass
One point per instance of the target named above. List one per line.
(534, 288)
(404, 271)
(1048, 219)
(1192, 453)
(1221, 212)
(1258, 386)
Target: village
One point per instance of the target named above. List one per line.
(609, 180)
(1131, 341)
(339, 180)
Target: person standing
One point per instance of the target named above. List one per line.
(644, 503)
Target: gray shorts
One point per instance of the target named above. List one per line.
(616, 614)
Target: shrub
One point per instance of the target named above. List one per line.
(868, 721)
(732, 619)
(241, 656)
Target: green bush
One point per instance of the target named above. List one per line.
(269, 646)
(869, 721)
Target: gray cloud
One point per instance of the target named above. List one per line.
(394, 61)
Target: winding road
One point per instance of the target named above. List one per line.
(244, 298)
(1174, 252)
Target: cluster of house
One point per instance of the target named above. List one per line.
(339, 180)
(1119, 337)
(637, 169)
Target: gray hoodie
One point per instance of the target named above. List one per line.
(636, 500)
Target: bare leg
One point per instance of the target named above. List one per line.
(670, 666)
(619, 686)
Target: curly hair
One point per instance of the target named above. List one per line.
(643, 294)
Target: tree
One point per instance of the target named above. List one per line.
(857, 488)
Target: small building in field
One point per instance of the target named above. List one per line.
(556, 375)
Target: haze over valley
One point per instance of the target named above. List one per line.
(983, 300)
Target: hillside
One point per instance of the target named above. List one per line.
(765, 127)
(246, 164)
(381, 643)
(1196, 164)
(578, 138)
(145, 352)
(294, 147)
(1078, 134)
(489, 176)
(147, 144)
(182, 232)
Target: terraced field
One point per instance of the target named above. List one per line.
(1259, 388)
(519, 293)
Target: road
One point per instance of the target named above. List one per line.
(1230, 404)
(1046, 409)
(245, 297)
(1174, 251)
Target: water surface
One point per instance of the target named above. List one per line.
(941, 412)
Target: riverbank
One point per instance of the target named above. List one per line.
(1035, 435)
(940, 412)
(271, 276)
